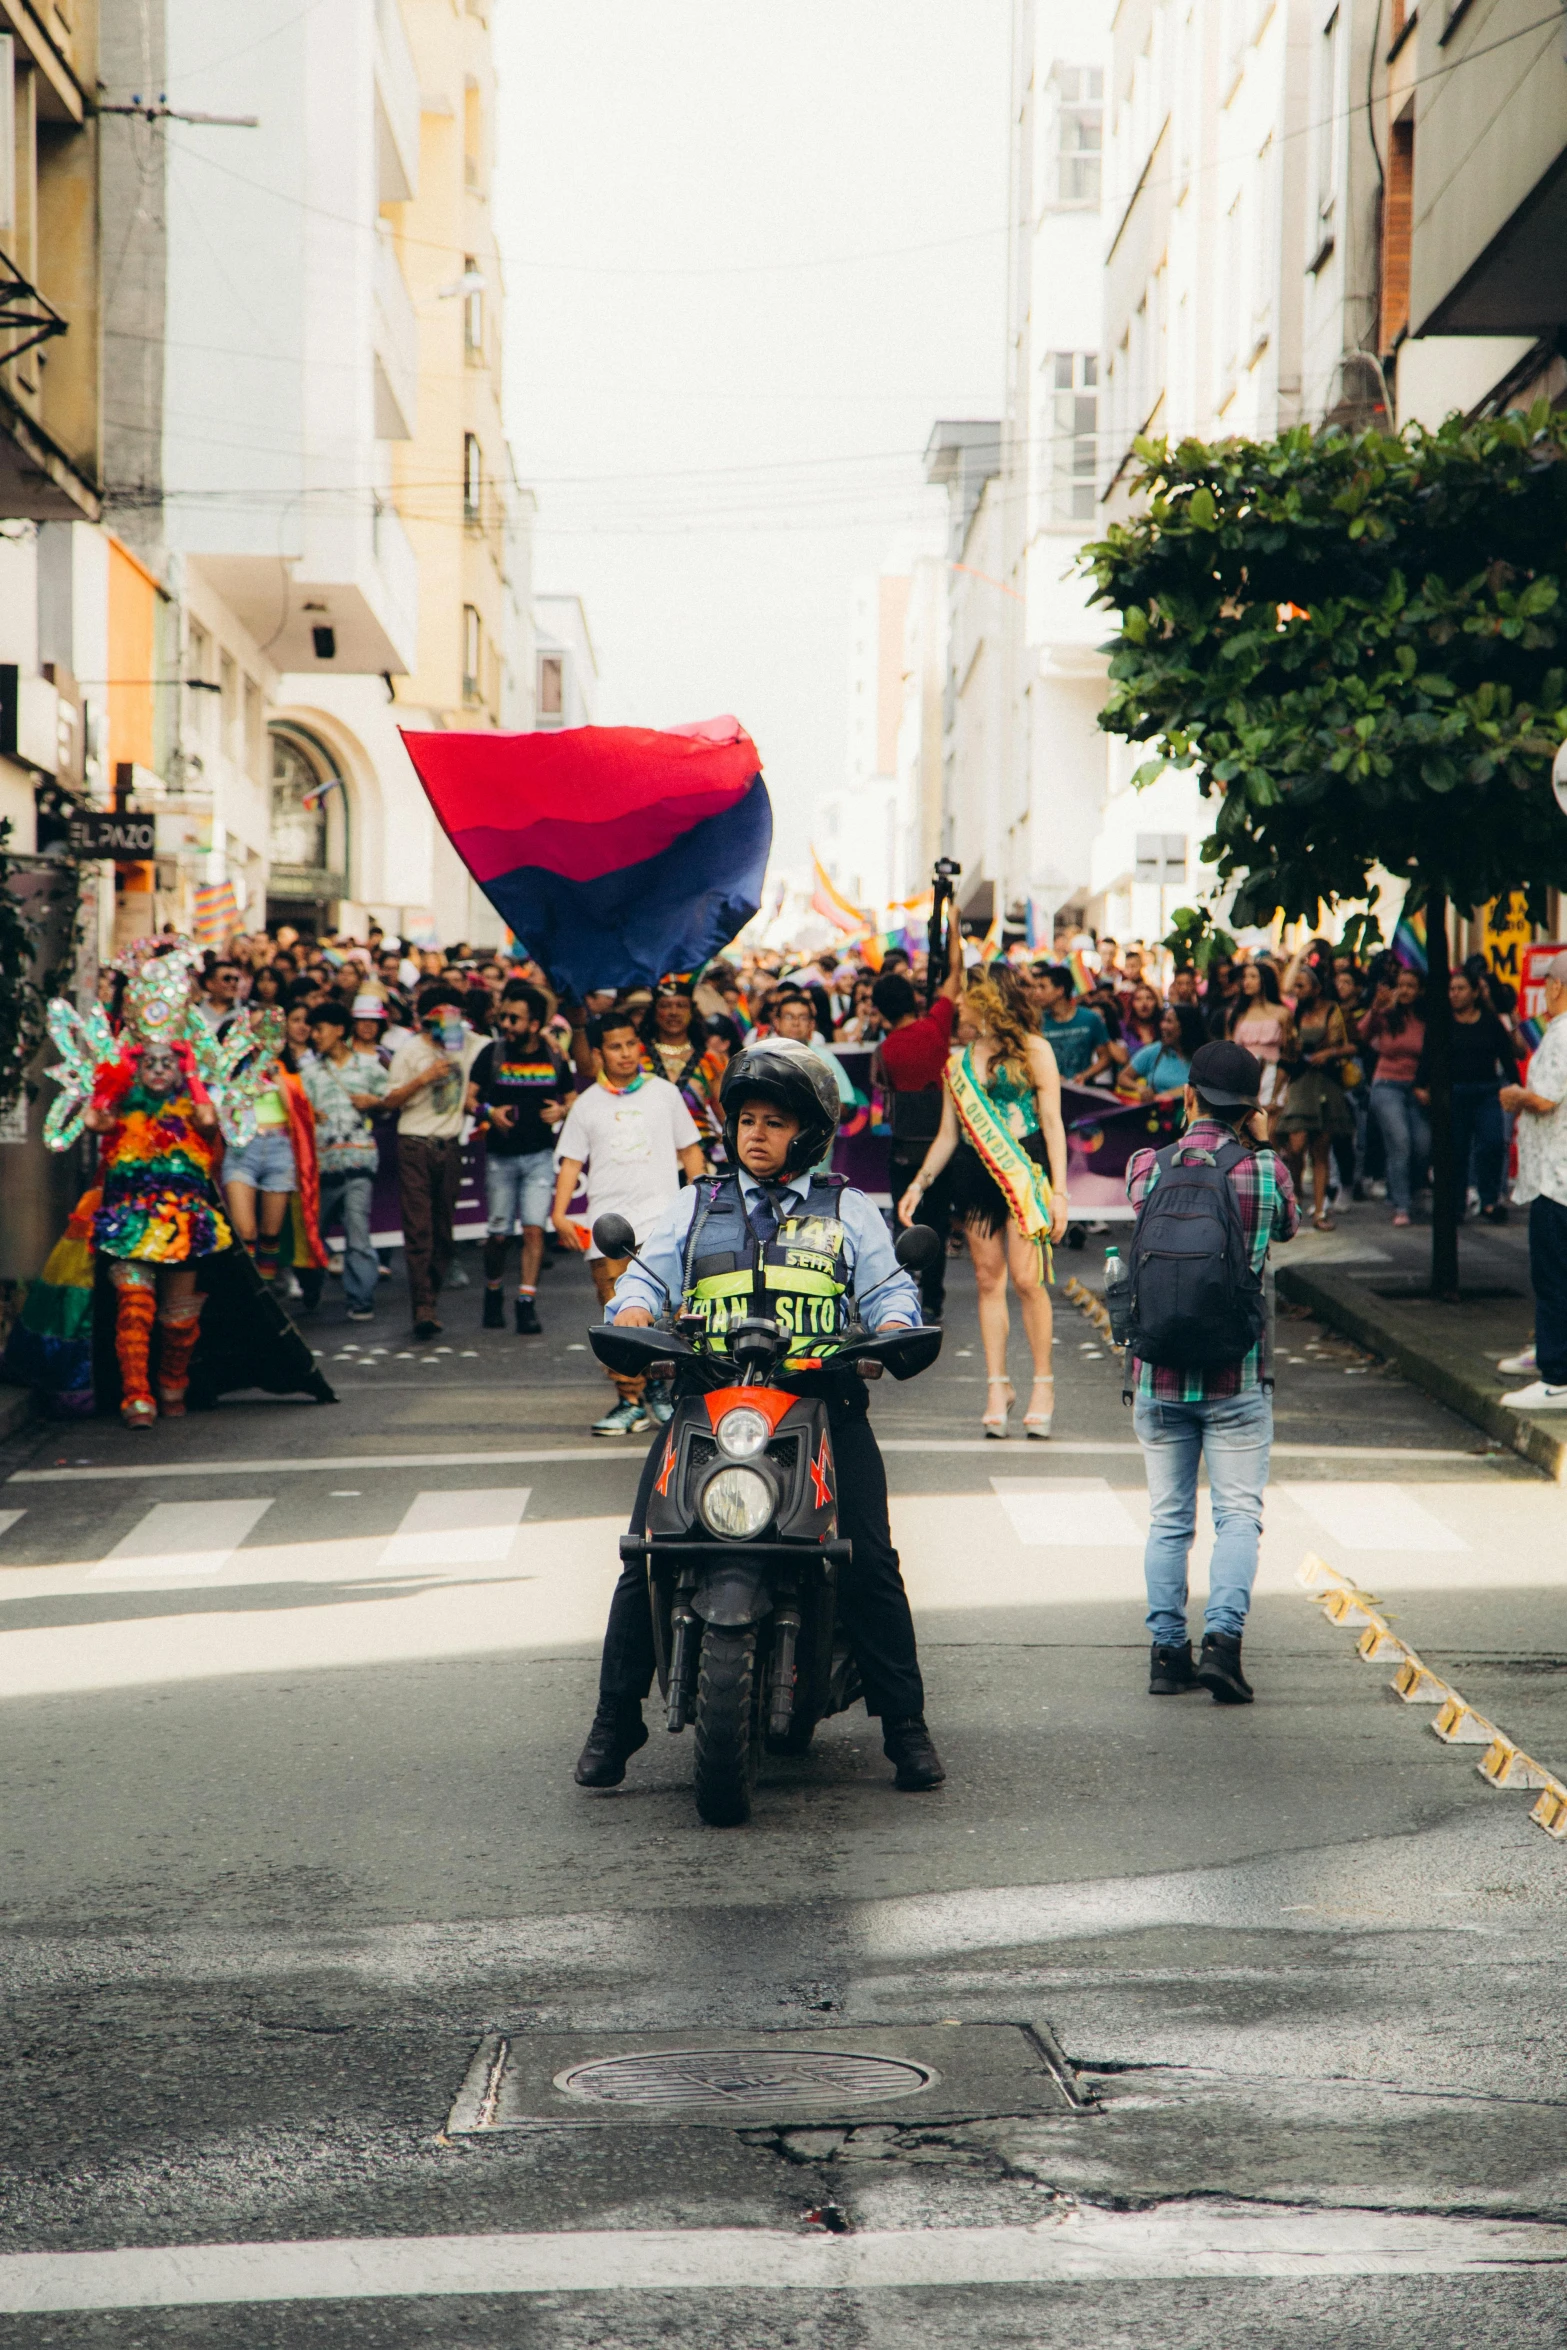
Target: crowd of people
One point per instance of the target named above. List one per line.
(615, 1099)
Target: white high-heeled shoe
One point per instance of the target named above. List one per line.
(995, 1424)
(1036, 1423)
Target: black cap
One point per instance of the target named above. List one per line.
(1227, 1075)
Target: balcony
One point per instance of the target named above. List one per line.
(396, 108)
(396, 341)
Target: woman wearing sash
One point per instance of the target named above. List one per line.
(1001, 1129)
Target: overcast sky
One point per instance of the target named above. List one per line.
(723, 356)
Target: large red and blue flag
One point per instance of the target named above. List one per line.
(615, 853)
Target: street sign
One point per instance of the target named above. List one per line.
(1505, 931)
(95, 832)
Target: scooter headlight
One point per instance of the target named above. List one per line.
(743, 1432)
(736, 1504)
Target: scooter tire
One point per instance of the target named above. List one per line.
(726, 1726)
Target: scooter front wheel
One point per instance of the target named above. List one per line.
(728, 1725)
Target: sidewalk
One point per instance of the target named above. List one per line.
(1366, 1280)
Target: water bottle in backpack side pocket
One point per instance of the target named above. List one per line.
(1118, 1296)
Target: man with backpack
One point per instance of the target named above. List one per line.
(1199, 1360)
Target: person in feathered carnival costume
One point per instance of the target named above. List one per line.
(163, 1097)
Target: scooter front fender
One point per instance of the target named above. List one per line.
(733, 1595)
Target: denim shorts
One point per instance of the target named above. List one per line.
(265, 1163)
(519, 1190)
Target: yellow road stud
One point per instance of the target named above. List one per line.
(1313, 1571)
(1416, 1686)
(1458, 1724)
(1377, 1643)
(1550, 1813)
(1350, 1607)
(1506, 1765)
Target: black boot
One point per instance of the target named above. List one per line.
(907, 1745)
(617, 1732)
(1170, 1670)
(1219, 1669)
(494, 1307)
(528, 1323)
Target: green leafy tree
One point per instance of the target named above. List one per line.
(1358, 642)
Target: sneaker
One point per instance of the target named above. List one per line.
(1522, 1365)
(1170, 1670)
(428, 1328)
(660, 1410)
(1400, 1220)
(494, 1317)
(1541, 1396)
(617, 1732)
(623, 1419)
(1218, 1668)
(361, 1313)
(528, 1323)
(456, 1278)
(907, 1745)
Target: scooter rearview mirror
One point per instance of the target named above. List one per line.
(916, 1247)
(613, 1237)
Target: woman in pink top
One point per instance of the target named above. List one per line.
(1395, 1029)
(1260, 1022)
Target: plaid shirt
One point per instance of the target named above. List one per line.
(1268, 1212)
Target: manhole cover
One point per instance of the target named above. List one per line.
(743, 2077)
(716, 2079)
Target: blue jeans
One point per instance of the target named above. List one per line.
(1233, 1435)
(1406, 1138)
(348, 1195)
(518, 1191)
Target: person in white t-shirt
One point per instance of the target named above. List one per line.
(635, 1137)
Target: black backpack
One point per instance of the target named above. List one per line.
(1196, 1303)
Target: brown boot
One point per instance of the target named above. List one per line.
(179, 1329)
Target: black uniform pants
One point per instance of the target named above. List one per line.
(873, 1606)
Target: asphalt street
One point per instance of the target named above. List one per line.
(1170, 2022)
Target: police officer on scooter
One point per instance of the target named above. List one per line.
(780, 1116)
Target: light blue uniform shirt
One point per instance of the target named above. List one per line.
(877, 1282)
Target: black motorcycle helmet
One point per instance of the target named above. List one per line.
(794, 1078)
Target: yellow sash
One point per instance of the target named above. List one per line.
(1024, 1186)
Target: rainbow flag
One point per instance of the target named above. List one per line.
(1409, 942)
(216, 913)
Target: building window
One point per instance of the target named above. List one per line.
(472, 478)
(1397, 218)
(472, 134)
(552, 686)
(1328, 138)
(1079, 131)
(472, 311)
(472, 649)
(1073, 433)
(1161, 857)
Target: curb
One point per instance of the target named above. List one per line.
(1374, 1323)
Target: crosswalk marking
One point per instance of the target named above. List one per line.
(1366, 1516)
(457, 1529)
(8, 1519)
(184, 1538)
(1066, 1513)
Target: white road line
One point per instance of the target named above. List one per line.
(304, 1464)
(457, 1529)
(184, 1538)
(1173, 2240)
(8, 1519)
(1066, 1513)
(1366, 1516)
